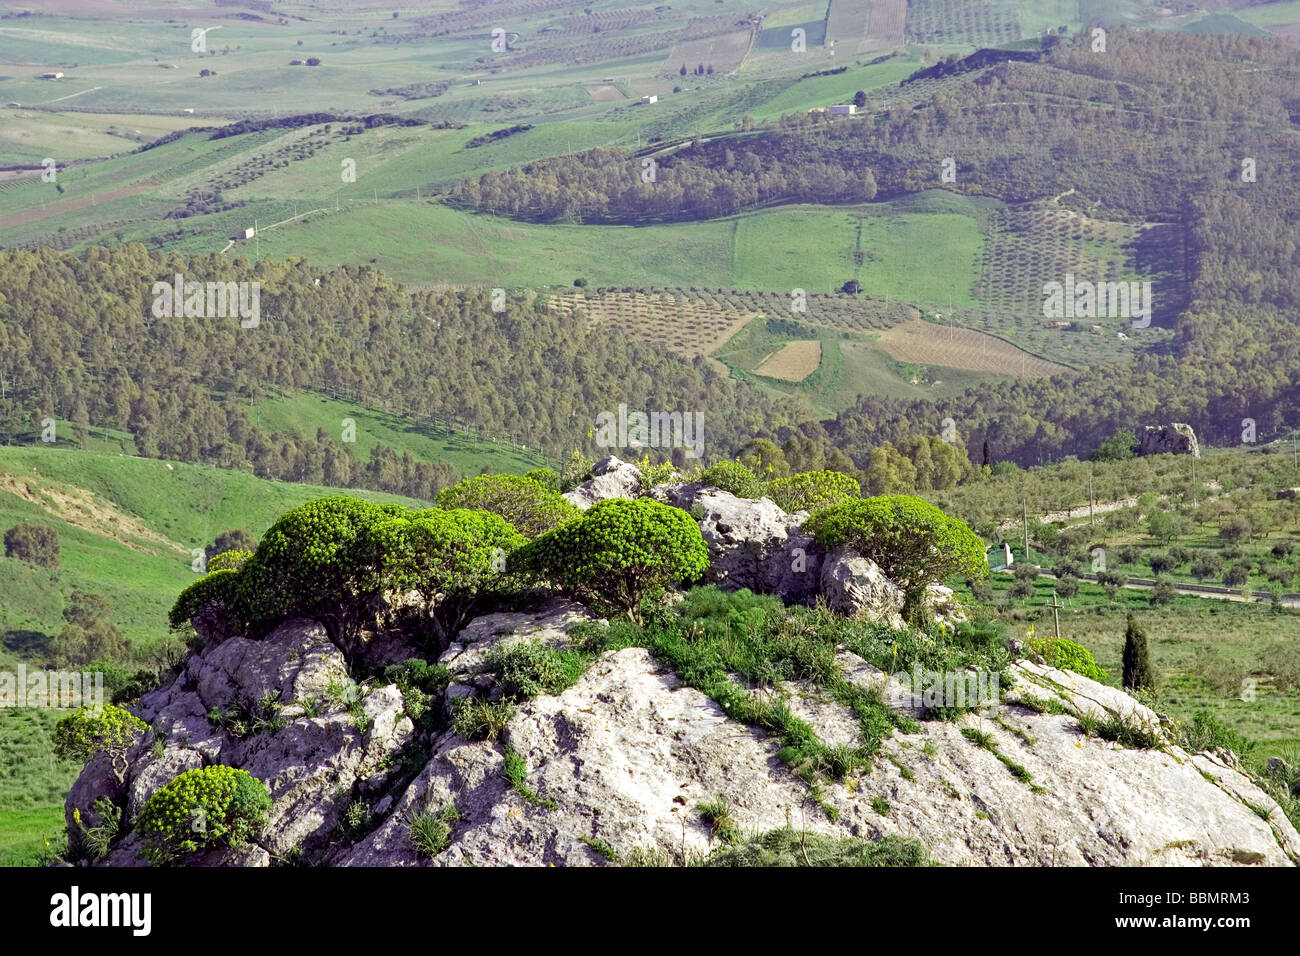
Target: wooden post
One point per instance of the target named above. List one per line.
(1056, 606)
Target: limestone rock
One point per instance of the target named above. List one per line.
(752, 542)
(611, 478)
(856, 586)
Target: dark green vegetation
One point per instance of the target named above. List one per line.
(415, 353)
(914, 542)
(791, 847)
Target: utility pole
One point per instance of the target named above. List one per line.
(1092, 518)
(1024, 517)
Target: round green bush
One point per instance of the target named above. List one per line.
(733, 477)
(454, 559)
(210, 602)
(618, 552)
(309, 564)
(201, 809)
(812, 490)
(525, 502)
(914, 542)
(1069, 656)
(229, 560)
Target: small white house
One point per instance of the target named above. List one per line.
(188, 109)
(51, 76)
(647, 100)
(250, 232)
(846, 109)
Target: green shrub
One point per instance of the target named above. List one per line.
(812, 490)
(530, 668)
(34, 543)
(210, 603)
(733, 477)
(456, 560)
(86, 732)
(545, 477)
(1068, 656)
(228, 560)
(202, 809)
(618, 552)
(914, 542)
(309, 563)
(529, 505)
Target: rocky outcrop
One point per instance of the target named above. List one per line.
(752, 542)
(285, 710)
(468, 657)
(611, 478)
(624, 758)
(1172, 439)
(620, 762)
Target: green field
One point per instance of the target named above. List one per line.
(303, 413)
(1270, 14)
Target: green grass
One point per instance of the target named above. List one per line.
(175, 506)
(302, 413)
(1270, 14)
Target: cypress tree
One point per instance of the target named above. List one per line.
(1138, 672)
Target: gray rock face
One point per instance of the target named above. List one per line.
(1175, 438)
(855, 586)
(626, 755)
(467, 656)
(611, 478)
(752, 542)
(311, 765)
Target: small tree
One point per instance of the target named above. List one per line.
(111, 731)
(1138, 673)
(308, 564)
(618, 552)
(89, 632)
(455, 560)
(914, 542)
(236, 539)
(525, 502)
(34, 543)
(210, 605)
(1164, 591)
(1117, 447)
